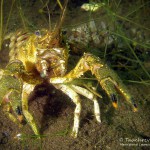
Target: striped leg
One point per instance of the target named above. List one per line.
(76, 99)
(27, 88)
(90, 96)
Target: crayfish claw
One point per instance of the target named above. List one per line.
(114, 100)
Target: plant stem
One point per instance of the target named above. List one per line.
(60, 5)
(1, 24)
(8, 17)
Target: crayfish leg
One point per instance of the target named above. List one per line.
(77, 101)
(91, 96)
(27, 88)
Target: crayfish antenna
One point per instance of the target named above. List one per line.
(61, 20)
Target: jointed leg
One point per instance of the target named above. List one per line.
(90, 96)
(12, 103)
(76, 99)
(27, 88)
(87, 62)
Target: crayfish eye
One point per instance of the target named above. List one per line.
(38, 33)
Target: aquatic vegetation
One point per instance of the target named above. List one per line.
(3, 29)
(1, 22)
